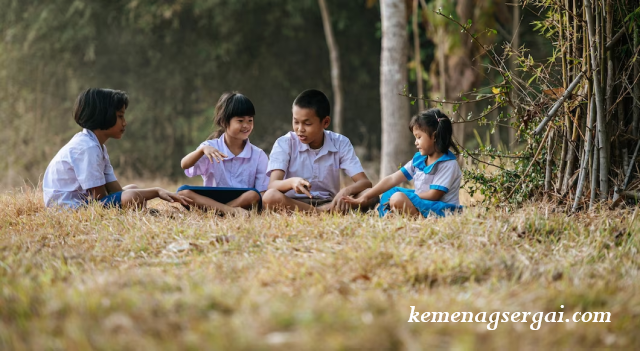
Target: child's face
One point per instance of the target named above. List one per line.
(240, 127)
(425, 142)
(308, 127)
(118, 129)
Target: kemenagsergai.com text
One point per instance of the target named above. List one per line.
(492, 319)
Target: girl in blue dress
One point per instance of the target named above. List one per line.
(434, 169)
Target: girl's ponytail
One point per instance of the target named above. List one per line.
(436, 123)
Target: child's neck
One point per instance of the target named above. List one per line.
(101, 137)
(235, 145)
(317, 144)
(434, 157)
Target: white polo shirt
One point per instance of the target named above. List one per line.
(322, 170)
(444, 174)
(246, 170)
(80, 165)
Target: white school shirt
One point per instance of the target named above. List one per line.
(80, 165)
(246, 170)
(444, 174)
(322, 170)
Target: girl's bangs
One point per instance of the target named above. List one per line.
(241, 106)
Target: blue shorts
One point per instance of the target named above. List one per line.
(426, 207)
(220, 194)
(111, 200)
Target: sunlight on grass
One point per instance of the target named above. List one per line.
(112, 279)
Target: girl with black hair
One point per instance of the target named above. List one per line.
(233, 170)
(434, 168)
(81, 171)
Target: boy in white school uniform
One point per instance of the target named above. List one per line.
(304, 165)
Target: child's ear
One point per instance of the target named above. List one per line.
(325, 122)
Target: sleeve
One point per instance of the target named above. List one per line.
(445, 176)
(349, 162)
(88, 168)
(262, 181)
(201, 167)
(109, 175)
(280, 155)
(408, 170)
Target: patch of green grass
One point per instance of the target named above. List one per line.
(110, 279)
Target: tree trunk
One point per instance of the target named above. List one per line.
(417, 58)
(334, 56)
(393, 79)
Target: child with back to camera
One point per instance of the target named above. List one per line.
(434, 168)
(233, 170)
(81, 171)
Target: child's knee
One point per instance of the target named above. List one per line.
(272, 197)
(130, 197)
(253, 196)
(398, 200)
(131, 187)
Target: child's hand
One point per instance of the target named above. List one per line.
(356, 201)
(301, 186)
(339, 203)
(213, 153)
(173, 197)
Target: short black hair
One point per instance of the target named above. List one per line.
(434, 121)
(230, 104)
(96, 108)
(315, 100)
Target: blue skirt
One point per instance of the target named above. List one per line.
(426, 207)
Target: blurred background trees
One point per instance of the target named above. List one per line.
(175, 58)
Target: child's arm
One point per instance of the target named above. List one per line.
(113, 187)
(137, 197)
(297, 184)
(385, 184)
(209, 151)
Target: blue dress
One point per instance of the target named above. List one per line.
(444, 175)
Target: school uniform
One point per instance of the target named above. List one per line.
(444, 174)
(233, 175)
(83, 163)
(320, 167)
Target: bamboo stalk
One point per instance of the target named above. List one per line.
(615, 38)
(627, 177)
(636, 88)
(549, 165)
(594, 169)
(563, 160)
(558, 104)
(599, 96)
(585, 156)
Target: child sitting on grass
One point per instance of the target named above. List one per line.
(81, 171)
(434, 168)
(305, 164)
(234, 181)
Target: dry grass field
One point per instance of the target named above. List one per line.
(109, 279)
